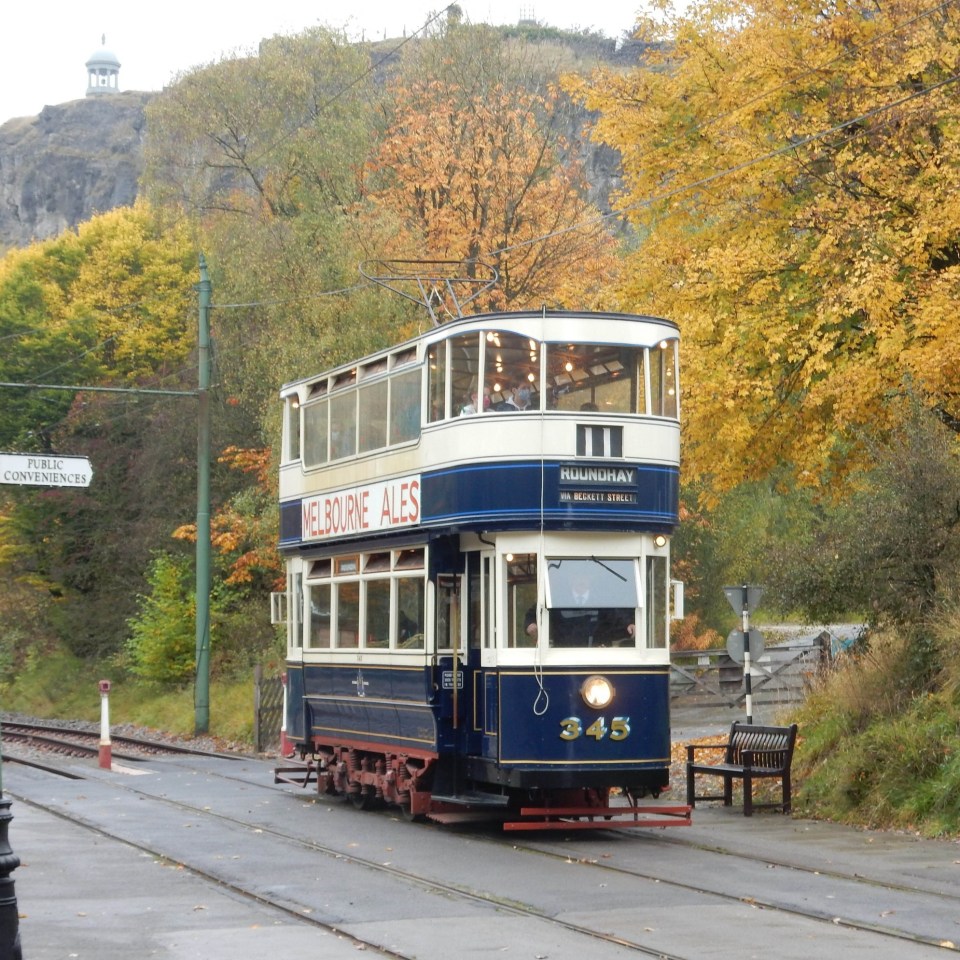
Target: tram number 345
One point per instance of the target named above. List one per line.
(571, 728)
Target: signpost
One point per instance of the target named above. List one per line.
(45, 470)
(743, 600)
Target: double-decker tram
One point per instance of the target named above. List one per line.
(476, 526)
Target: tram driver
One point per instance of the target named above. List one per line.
(584, 623)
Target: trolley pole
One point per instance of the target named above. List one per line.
(202, 688)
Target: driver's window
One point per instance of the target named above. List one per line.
(592, 601)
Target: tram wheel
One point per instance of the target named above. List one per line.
(409, 815)
(363, 799)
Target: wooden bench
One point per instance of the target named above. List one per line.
(751, 753)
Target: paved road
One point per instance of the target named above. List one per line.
(726, 887)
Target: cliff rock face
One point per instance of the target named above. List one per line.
(85, 157)
(72, 161)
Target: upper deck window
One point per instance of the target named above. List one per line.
(663, 379)
(596, 378)
(292, 429)
(495, 371)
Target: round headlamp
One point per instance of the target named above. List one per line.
(597, 692)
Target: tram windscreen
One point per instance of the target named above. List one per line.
(591, 601)
(603, 583)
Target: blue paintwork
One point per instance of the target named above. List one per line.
(508, 496)
(531, 741)
(497, 717)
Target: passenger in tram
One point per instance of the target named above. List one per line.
(519, 399)
(472, 406)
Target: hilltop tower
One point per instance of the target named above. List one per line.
(103, 71)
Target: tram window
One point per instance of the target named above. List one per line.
(464, 369)
(657, 602)
(448, 612)
(663, 379)
(437, 371)
(318, 597)
(595, 377)
(511, 368)
(521, 599)
(295, 606)
(404, 407)
(293, 428)
(315, 433)
(592, 601)
(410, 605)
(377, 613)
(348, 614)
(373, 416)
(409, 560)
(343, 425)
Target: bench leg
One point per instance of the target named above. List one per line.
(747, 794)
(727, 790)
(691, 795)
(786, 792)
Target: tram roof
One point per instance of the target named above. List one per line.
(543, 325)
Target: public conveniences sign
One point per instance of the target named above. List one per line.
(37, 470)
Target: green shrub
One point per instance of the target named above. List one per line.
(162, 644)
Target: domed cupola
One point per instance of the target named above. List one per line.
(103, 71)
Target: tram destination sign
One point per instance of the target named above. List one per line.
(45, 470)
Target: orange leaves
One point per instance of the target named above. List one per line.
(471, 166)
(244, 530)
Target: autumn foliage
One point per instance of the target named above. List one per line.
(474, 165)
(794, 170)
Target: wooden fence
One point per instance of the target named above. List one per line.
(781, 675)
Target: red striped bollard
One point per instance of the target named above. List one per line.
(106, 748)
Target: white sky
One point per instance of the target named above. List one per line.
(44, 45)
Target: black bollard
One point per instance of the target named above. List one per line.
(9, 916)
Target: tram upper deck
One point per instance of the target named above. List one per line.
(510, 420)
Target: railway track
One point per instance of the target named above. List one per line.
(25, 743)
(645, 867)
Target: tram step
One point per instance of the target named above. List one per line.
(472, 798)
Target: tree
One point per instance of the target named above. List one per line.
(793, 167)
(112, 304)
(274, 132)
(161, 646)
(263, 154)
(475, 166)
(892, 548)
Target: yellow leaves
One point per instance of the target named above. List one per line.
(809, 284)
